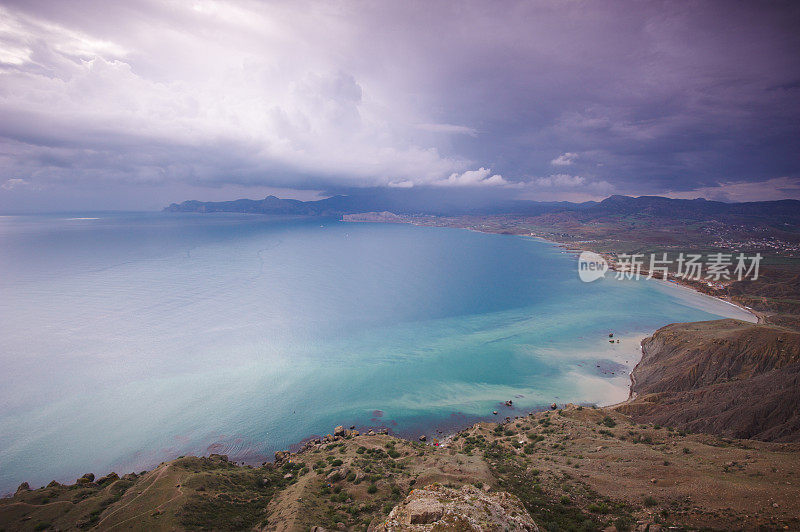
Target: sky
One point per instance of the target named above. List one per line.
(137, 104)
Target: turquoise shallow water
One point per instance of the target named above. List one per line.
(126, 339)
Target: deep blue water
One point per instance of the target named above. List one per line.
(127, 339)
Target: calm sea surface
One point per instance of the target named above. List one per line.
(127, 339)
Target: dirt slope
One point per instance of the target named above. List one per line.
(724, 377)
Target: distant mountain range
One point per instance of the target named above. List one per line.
(441, 203)
(782, 212)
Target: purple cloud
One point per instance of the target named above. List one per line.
(98, 97)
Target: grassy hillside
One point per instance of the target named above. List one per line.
(576, 468)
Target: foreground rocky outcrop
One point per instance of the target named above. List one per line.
(437, 507)
(725, 377)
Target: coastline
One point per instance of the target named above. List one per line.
(516, 413)
(574, 249)
(677, 283)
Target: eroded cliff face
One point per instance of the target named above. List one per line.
(725, 377)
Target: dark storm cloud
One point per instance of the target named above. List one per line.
(648, 96)
(545, 100)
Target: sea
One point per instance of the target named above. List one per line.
(127, 339)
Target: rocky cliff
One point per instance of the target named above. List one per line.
(723, 377)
